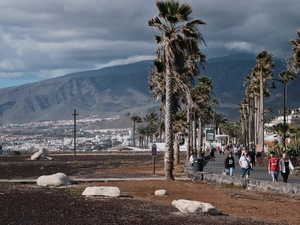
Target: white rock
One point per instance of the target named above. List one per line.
(57, 179)
(187, 206)
(103, 191)
(160, 192)
(36, 155)
(41, 154)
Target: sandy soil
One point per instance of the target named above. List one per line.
(29, 204)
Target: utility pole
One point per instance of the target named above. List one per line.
(75, 133)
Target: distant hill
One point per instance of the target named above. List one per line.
(123, 90)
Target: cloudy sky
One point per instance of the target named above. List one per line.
(41, 39)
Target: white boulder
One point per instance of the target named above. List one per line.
(187, 206)
(41, 154)
(103, 191)
(57, 179)
(160, 192)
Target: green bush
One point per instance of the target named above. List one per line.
(292, 149)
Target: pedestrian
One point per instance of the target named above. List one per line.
(202, 152)
(252, 155)
(286, 167)
(192, 158)
(222, 149)
(274, 166)
(235, 151)
(212, 153)
(244, 163)
(218, 150)
(229, 164)
(239, 152)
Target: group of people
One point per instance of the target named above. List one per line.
(283, 165)
(247, 162)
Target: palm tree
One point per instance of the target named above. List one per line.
(258, 78)
(152, 125)
(295, 59)
(286, 76)
(290, 130)
(141, 130)
(151, 119)
(179, 126)
(232, 130)
(199, 109)
(219, 119)
(135, 119)
(177, 44)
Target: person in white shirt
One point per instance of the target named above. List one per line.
(192, 158)
(286, 167)
(244, 163)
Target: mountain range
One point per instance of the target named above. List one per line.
(124, 90)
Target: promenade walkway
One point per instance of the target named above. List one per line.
(258, 173)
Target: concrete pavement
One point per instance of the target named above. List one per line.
(258, 173)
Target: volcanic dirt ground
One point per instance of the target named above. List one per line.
(23, 203)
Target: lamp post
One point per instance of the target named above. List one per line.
(75, 114)
(284, 82)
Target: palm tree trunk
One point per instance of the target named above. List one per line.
(200, 135)
(256, 119)
(176, 150)
(260, 135)
(159, 125)
(188, 150)
(194, 135)
(169, 151)
(133, 135)
(251, 122)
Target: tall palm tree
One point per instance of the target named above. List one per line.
(258, 78)
(286, 76)
(295, 59)
(178, 41)
(200, 107)
(135, 119)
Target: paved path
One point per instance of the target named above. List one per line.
(24, 181)
(258, 173)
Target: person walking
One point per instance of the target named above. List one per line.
(274, 166)
(229, 164)
(286, 167)
(212, 153)
(192, 159)
(252, 155)
(244, 163)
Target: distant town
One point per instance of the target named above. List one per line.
(59, 136)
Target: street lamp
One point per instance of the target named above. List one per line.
(284, 82)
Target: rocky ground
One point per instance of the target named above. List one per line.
(30, 204)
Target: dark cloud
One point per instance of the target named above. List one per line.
(50, 38)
